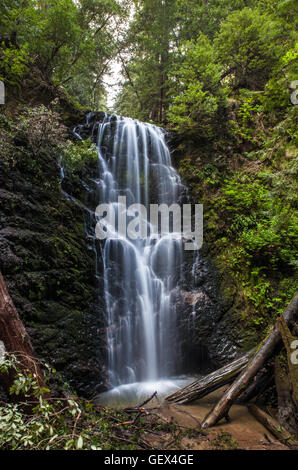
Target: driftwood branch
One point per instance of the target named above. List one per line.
(261, 382)
(273, 426)
(265, 351)
(211, 382)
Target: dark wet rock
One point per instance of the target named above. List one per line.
(207, 333)
(90, 128)
(48, 265)
(47, 256)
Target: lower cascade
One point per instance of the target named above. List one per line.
(141, 276)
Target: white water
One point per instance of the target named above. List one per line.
(132, 393)
(141, 276)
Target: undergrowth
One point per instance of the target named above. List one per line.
(73, 423)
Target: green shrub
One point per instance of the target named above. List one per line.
(248, 44)
(198, 94)
(77, 155)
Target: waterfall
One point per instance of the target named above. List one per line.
(140, 276)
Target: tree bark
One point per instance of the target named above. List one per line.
(286, 381)
(14, 339)
(287, 414)
(263, 379)
(210, 382)
(265, 350)
(289, 339)
(131, 81)
(273, 426)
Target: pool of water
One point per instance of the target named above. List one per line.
(135, 393)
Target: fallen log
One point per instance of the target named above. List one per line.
(265, 350)
(205, 385)
(273, 426)
(14, 339)
(263, 379)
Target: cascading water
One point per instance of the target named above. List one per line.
(161, 313)
(139, 275)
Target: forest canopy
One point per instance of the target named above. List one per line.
(66, 42)
(221, 78)
(185, 58)
(180, 59)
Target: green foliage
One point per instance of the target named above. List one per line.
(242, 193)
(197, 94)
(276, 93)
(49, 424)
(225, 441)
(13, 64)
(75, 424)
(181, 59)
(68, 42)
(76, 156)
(41, 129)
(146, 59)
(250, 212)
(265, 228)
(248, 114)
(206, 17)
(248, 44)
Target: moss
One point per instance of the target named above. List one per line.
(45, 259)
(225, 441)
(249, 193)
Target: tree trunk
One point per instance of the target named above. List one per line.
(273, 426)
(210, 382)
(265, 350)
(14, 339)
(286, 380)
(289, 340)
(287, 413)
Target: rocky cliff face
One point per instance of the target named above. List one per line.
(207, 331)
(213, 338)
(47, 259)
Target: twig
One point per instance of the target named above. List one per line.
(147, 401)
(75, 423)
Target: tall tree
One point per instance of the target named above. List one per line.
(70, 42)
(150, 41)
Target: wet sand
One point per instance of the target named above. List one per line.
(249, 433)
